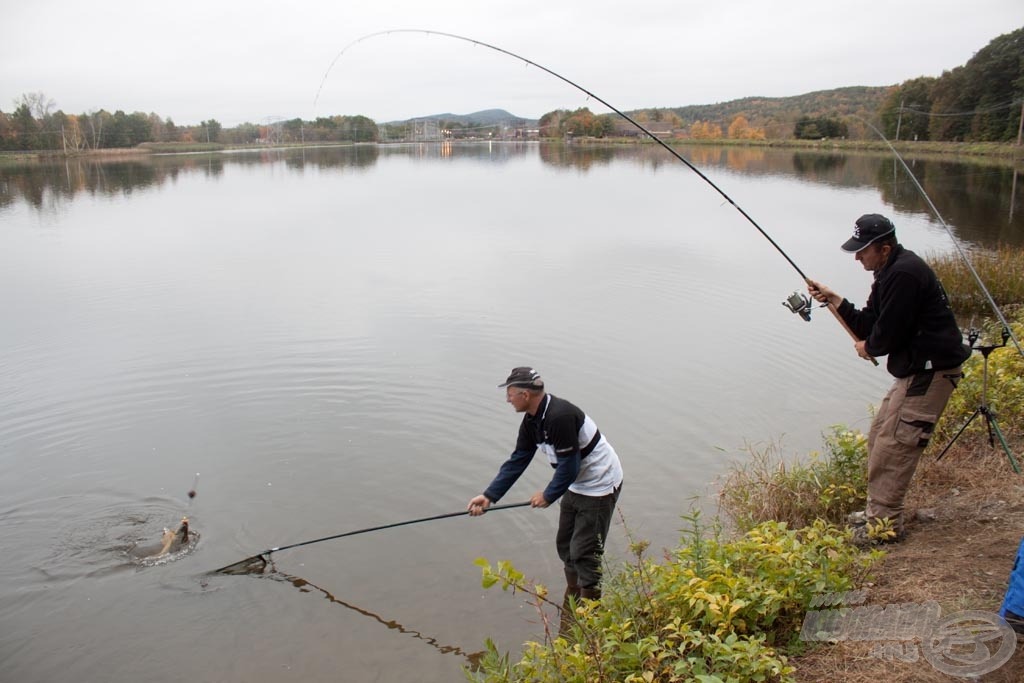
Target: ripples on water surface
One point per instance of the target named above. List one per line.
(320, 333)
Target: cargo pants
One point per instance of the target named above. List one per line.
(898, 436)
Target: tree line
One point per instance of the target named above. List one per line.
(977, 102)
(36, 124)
(980, 101)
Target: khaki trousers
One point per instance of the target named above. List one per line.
(899, 434)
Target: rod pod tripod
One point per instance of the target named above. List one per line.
(983, 408)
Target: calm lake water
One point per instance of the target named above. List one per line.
(319, 333)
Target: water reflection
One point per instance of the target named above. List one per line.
(964, 193)
(978, 200)
(471, 658)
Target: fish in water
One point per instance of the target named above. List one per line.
(169, 537)
(172, 540)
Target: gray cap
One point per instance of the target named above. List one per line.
(523, 377)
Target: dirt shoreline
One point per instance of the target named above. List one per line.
(967, 513)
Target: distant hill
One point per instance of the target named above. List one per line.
(487, 117)
(775, 114)
(782, 112)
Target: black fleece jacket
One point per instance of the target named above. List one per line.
(907, 317)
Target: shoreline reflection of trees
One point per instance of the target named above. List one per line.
(44, 185)
(977, 195)
(964, 193)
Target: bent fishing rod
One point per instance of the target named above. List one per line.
(254, 564)
(797, 303)
(1007, 330)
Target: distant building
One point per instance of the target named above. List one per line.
(428, 130)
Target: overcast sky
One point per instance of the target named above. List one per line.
(256, 60)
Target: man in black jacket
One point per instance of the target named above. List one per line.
(907, 318)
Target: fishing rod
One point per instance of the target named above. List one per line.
(255, 564)
(797, 303)
(1007, 330)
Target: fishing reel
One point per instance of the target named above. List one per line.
(800, 304)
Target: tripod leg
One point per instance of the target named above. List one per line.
(994, 426)
(975, 414)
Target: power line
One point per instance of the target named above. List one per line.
(975, 112)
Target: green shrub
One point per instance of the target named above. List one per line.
(714, 610)
(826, 486)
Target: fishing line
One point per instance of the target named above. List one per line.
(952, 237)
(803, 304)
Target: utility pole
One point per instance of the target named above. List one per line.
(1020, 126)
(899, 120)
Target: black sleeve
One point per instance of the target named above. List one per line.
(895, 321)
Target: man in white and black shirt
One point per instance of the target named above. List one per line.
(588, 476)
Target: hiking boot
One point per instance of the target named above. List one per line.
(874, 534)
(859, 518)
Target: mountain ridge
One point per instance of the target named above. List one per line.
(759, 110)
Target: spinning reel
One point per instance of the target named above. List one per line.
(800, 304)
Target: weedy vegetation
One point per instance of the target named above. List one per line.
(713, 610)
(1002, 271)
(827, 485)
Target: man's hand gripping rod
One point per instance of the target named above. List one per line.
(801, 305)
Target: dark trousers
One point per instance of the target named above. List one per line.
(583, 525)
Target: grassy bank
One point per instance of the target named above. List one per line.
(148, 148)
(992, 150)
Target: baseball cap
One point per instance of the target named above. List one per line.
(868, 228)
(523, 377)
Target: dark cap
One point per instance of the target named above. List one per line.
(523, 377)
(868, 228)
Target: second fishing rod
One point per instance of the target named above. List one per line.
(796, 302)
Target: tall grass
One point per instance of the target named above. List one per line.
(181, 147)
(826, 485)
(1001, 269)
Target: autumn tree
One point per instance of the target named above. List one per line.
(740, 129)
(705, 130)
(73, 137)
(551, 123)
(582, 122)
